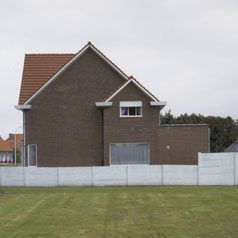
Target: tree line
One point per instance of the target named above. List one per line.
(223, 130)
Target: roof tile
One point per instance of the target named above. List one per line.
(38, 69)
(5, 146)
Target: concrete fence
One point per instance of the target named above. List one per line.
(212, 169)
(218, 169)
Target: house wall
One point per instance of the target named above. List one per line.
(64, 122)
(134, 129)
(179, 144)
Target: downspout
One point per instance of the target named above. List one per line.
(101, 106)
(23, 108)
(24, 139)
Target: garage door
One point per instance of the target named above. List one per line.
(132, 153)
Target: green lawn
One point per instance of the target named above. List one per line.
(9, 165)
(119, 212)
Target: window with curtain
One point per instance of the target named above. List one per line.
(129, 153)
(131, 109)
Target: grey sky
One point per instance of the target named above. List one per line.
(183, 51)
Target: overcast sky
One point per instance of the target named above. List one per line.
(185, 52)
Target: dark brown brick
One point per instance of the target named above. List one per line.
(64, 121)
(183, 142)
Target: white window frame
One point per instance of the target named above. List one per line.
(28, 147)
(130, 104)
(110, 160)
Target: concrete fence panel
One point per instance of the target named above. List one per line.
(212, 169)
(75, 176)
(10, 176)
(180, 175)
(216, 169)
(110, 176)
(236, 168)
(144, 175)
(44, 177)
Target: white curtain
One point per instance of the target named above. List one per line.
(129, 154)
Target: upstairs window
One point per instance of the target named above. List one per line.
(131, 109)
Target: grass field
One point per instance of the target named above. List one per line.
(119, 212)
(10, 165)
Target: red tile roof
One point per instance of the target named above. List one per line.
(5, 146)
(38, 69)
(11, 140)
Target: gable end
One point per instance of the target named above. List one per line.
(23, 97)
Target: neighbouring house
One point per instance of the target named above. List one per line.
(6, 152)
(15, 139)
(233, 147)
(82, 110)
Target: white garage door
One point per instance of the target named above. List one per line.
(129, 153)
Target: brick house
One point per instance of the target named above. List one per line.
(82, 110)
(6, 151)
(11, 139)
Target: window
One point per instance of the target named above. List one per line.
(129, 153)
(131, 109)
(32, 155)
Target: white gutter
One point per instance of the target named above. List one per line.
(103, 104)
(158, 104)
(23, 107)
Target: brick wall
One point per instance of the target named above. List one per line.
(131, 130)
(180, 144)
(64, 121)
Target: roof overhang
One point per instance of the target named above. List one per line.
(23, 107)
(158, 104)
(132, 80)
(103, 104)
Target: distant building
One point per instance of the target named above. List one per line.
(7, 147)
(11, 140)
(6, 152)
(233, 147)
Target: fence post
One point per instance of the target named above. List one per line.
(57, 177)
(92, 174)
(199, 157)
(127, 180)
(162, 174)
(0, 176)
(24, 177)
(234, 169)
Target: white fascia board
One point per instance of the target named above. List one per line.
(71, 62)
(124, 85)
(109, 62)
(145, 91)
(103, 104)
(157, 103)
(119, 90)
(23, 107)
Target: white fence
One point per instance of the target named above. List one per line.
(212, 169)
(218, 169)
